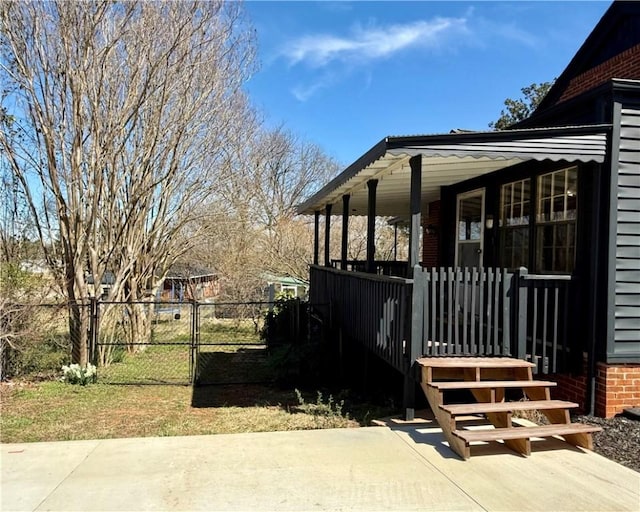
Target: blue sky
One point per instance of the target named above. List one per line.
(345, 74)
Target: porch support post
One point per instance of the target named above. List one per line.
(395, 242)
(327, 235)
(415, 204)
(345, 230)
(371, 226)
(316, 237)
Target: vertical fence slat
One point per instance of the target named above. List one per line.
(475, 349)
(489, 309)
(450, 340)
(481, 312)
(465, 310)
(496, 313)
(554, 349)
(534, 337)
(545, 332)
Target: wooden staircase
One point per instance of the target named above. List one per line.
(488, 379)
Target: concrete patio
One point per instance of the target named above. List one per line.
(397, 467)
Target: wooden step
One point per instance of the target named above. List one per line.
(495, 434)
(474, 362)
(489, 407)
(490, 384)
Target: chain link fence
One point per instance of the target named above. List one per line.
(150, 342)
(36, 339)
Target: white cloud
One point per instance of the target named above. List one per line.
(303, 92)
(367, 44)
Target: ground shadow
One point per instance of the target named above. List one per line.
(239, 377)
(246, 365)
(241, 395)
(425, 430)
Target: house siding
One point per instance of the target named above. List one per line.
(627, 240)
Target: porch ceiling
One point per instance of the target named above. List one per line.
(449, 159)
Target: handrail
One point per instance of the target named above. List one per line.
(364, 275)
(548, 277)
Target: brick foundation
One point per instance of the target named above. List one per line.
(570, 387)
(617, 388)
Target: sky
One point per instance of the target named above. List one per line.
(344, 75)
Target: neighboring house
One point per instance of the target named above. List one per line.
(553, 205)
(285, 285)
(189, 282)
(101, 290)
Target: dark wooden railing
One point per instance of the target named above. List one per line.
(381, 267)
(546, 322)
(466, 311)
(446, 311)
(371, 309)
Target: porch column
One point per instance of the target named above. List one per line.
(371, 226)
(395, 242)
(345, 230)
(316, 236)
(327, 235)
(415, 205)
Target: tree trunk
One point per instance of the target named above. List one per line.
(78, 330)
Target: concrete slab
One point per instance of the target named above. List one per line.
(557, 476)
(404, 467)
(356, 469)
(31, 472)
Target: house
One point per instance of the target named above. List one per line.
(189, 282)
(530, 236)
(289, 286)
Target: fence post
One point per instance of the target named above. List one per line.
(93, 330)
(415, 341)
(194, 341)
(520, 295)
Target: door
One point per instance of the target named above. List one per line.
(470, 229)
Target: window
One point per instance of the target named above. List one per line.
(556, 221)
(514, 223)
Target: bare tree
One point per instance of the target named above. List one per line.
(122, 113)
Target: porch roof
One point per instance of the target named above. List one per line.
(448, 159)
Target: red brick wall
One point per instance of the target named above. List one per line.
(431, 242)
(571, 388)
(623, 65)
(617, 388)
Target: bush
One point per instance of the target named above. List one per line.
(38, 357)
(295, 342)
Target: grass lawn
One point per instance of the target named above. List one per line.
(144, 394)
(54, 411)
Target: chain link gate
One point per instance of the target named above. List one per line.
(145, 342)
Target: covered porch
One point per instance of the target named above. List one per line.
(481, 277)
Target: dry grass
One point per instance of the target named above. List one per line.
(53, 411)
